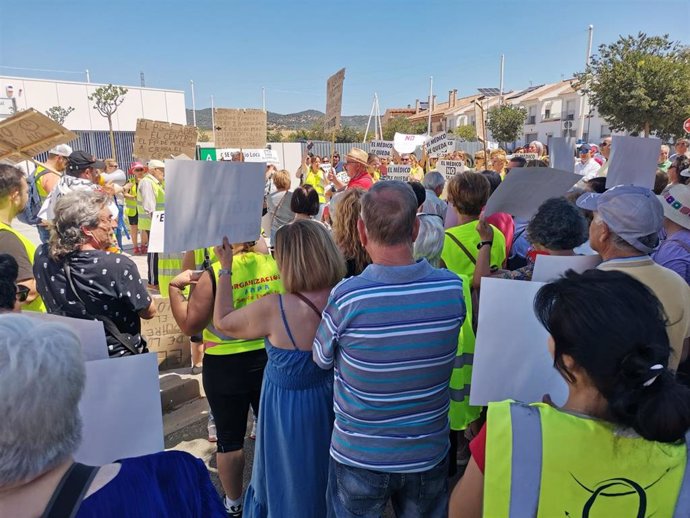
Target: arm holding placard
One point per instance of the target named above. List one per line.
(192, 315)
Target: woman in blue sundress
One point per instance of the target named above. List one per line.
(290, 469)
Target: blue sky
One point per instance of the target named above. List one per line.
(231, 49)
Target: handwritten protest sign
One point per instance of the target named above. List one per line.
(161, 140)
(91, 333)
(29, 133)
(334, 100)
(524, 189)
(450, 168)
(527, 156)
(382, 148)
(548, 268)
(208, 200)
(268, 156)
(562, 153)
(438, 144)
(121, 399)
(633, 161)
(238, 128)
(164, 337)
(403, 143)
(479, 125)
(397, 172)
(511, 357)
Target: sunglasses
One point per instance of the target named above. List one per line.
(603, 144)
(22, 293)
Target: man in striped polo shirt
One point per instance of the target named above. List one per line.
(391, 335)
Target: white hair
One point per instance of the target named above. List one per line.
(665, 148)
(41, 381)
(429, 243)
(433, 180)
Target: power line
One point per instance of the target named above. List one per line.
(43, 70)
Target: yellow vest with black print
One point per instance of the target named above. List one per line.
(36, 304)
(253, 276)
(543, 462)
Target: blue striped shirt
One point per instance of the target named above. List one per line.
(391, 334)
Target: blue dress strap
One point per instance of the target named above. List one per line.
(285, 323)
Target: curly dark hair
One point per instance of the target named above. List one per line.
(557, 225)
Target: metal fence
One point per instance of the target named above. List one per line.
(322, 148)
(97, 143)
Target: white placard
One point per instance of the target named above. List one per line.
(633, 161)
(526, 156)
(437, 145)
(208, 200)
(548, 268)
(157, 233)
(120, 410)
(511, 356)
(408, 143)
(449, 168)
(343, 177)
(397, 172)
(268, 156)
(562, 153)
(382, 148)
(90, 333)
(524, 189)
(326, 167)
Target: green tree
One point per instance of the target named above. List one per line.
(505, 122)
(107, 99)
(466, 132)
(58, 113)
(640, 83)
(402, 125)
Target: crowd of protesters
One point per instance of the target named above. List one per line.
(349, 328)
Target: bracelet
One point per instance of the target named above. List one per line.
(482, 243)
(224, 271)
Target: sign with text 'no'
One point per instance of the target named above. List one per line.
(449, 168)
(334, 100)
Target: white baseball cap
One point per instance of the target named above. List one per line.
(62, 150)
(156, 164)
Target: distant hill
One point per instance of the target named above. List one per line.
(292, 121)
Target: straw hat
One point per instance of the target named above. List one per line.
(357, 155)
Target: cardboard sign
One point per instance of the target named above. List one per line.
(450, 168)
(90, 333)
(30, 133)
(397, 172)
(479, 126)
(511, 356)
(562, 153)
(120, 410)
(633, 161)
(334, 100)
(438, 144)
(382, 148)
(160, 140)
(157, 233)
(267, 156)
(403, 143)
(548, 268)
(238, 128)
(524, 189)
(165, 338)
(208, 200)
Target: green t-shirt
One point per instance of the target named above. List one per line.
(456, 259)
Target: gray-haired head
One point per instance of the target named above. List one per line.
(434, 181)
(41, 381)
(74, 211)
(429, 242)
(389, 209)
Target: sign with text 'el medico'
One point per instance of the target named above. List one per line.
(240, 128)
(160, 140)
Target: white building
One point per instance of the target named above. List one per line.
(139, 103)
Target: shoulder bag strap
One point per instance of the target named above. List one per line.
(463, 248)
(273, 217)
(70, 492)
(309, 303)
(108, 324)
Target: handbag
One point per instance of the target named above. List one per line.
(133, 344)
(70, 491)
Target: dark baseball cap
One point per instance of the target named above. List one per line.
(80, 160)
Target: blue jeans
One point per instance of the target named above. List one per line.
(357, 492)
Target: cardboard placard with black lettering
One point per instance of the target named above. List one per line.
(160, 140)
(29, 133)
(240, 128)
(334, 100)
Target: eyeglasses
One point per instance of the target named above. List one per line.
(404, 159)
(22, 293)
(603, 144)
(138, 170)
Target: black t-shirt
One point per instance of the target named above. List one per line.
(108, 283)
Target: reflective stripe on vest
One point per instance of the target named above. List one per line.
(461, 413)
(131, 203)
(541, 461)
(36, 304)
(159, 193)
(253, 276)
(169, 266)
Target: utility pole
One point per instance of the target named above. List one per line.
(141, 77)
(191, 82)
(431, 96)
(500, 98)
(88, 77)
(585, 96)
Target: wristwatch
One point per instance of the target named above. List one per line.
(224, 271)
(482, 243)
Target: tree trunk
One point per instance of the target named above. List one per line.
(646, 129)
(112, 137)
